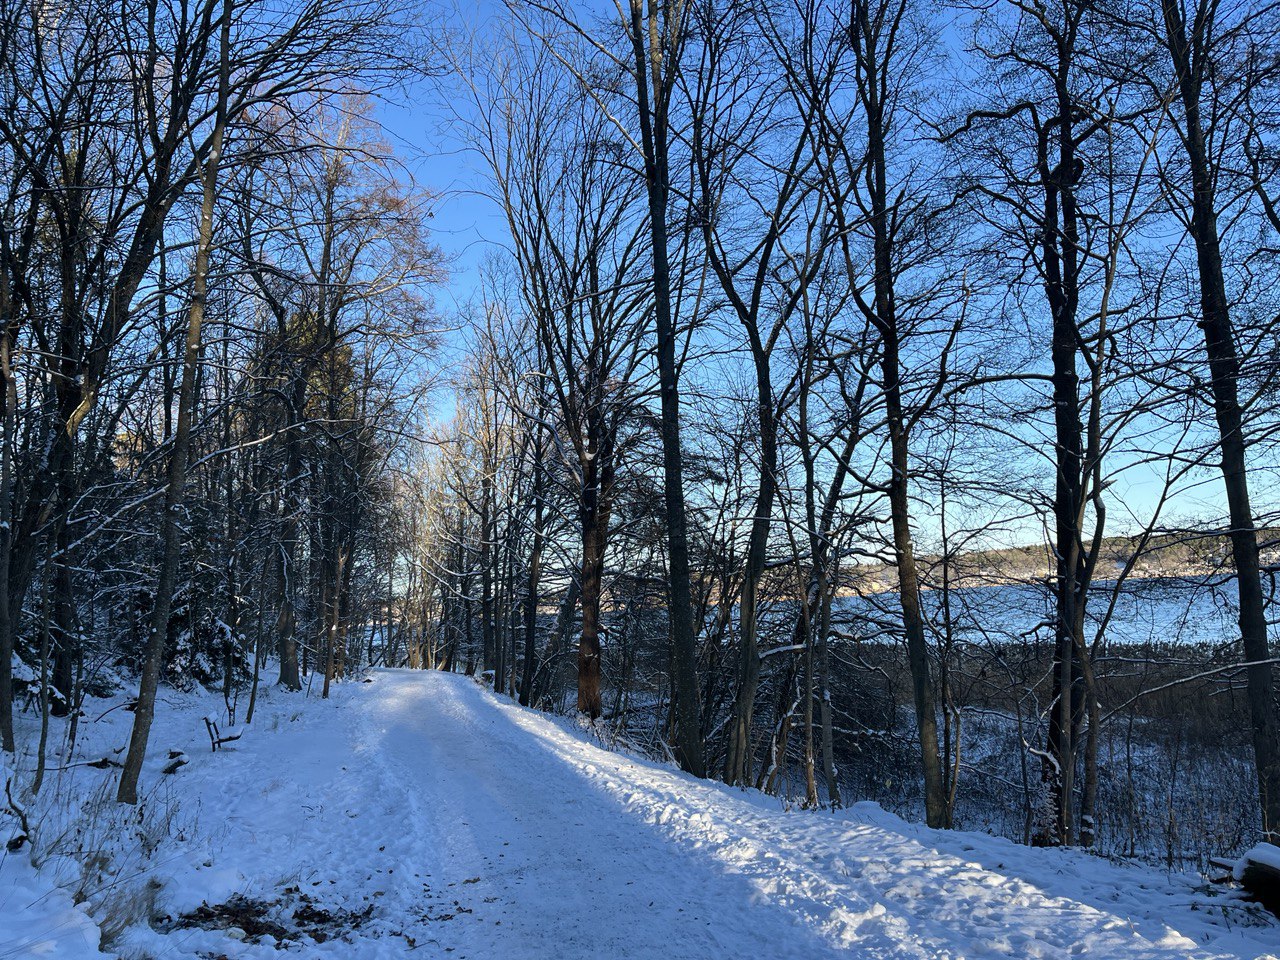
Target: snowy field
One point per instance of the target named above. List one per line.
(417, 815)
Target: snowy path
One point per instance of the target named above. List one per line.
(565, 850)
(453, 824)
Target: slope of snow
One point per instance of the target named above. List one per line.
(452, 823)
(38, 917)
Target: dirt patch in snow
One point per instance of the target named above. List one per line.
(253, 918)
(244, 918)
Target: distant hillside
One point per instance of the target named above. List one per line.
(1176, 554)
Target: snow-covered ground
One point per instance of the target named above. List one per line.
(417, 815)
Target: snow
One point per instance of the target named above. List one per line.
(1267, 854)
(37, 917)
(465, 826)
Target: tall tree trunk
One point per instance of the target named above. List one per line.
(909, 597)
(66, 635)
(1225, 373)
(169, 534)
(657, 40)
(595, 514)
(1088, 829)
(810, 778)
(821, 588)
(347, 571)
(488, 632)
(232, 546)
(8, 420)
(870, 171)
(286, 618)
(739, 760)
(589, 640)
(1062, 283)
(335, 573)
(499, 624)
(830, 774)
(884, 316)
(532, 583)
(45, 644)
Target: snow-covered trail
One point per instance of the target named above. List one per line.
(451, 823)
(560, 849)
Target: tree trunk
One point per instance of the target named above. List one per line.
(820, 587)
(532, 582)
(558, 641)
(909, 597)
(8, 430)
(9, 399)
(739, 760)
(810, 778)
(593, 539)
(1224, 371)
(830, 774)
(66, 636)
(145, 712)
(286, 619)
(287, 549)
(656, 46)
(487, 631)
(1067, 703)
(886, 321)
(45, 642)
(335, 573)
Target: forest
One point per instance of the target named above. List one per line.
(850, 400)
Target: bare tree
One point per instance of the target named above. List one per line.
(754, 163)
(577, 240)
(178, 457)
(889, 224)
(1212, 71)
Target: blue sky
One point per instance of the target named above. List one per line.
(422, 125)
(464, 222)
